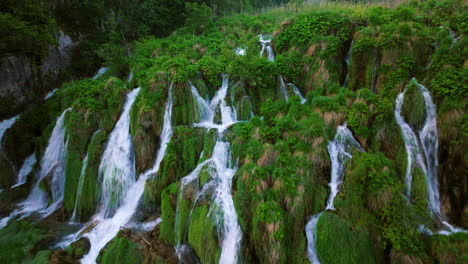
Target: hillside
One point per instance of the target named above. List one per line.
(305, 133)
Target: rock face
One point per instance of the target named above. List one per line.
(22, 78)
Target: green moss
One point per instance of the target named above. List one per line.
(87, 203)
(355, 245)
(182, 213)
(17, 240)
(121, 250)
(244, 108)
(42, 257)
(414, 107)
(167, 226)
(202, 235)
(449, 249)
(419, 191)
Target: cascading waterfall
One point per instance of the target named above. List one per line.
(430, 145)
(26, 168)
(428, 139)
(311, 235)
(52, 165)
(107, 228)
(100, 72)
(297, 92)
(241, 51)
(6, 124)
(228, 114)
(347, 60)
(79, 190)
(222, 172)
(340, 152)
(203, 105)
(117, 168)
(50, 94)
(284, 91)
(411, 146)
(265, 41)
(130, 77)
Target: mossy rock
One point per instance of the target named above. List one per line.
(7, 172)
(244, 108)
(86, 205)
(202, 235)
(146, 122)
(355, 242)
(185, 109)
(121, 250)
(414, 107)
(168, 215)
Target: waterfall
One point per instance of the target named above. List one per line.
(79, 190)
(311, 234)
(240, 51)
(222, 172)
(430, 145)
(223, 175)
(52, 165)
(130, 77)
(50, 94)
(265, 41)
(107, 228)
(26, 168)
(203, 105)
(6, 124)
(297, 92)
(117, 168)
(283, 88)
(340, 152)
(228, 114)
(428, 139)
(347, 60)
(100, 72)
(411, 146)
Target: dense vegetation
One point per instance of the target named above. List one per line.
(281, 152)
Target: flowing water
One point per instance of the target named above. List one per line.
(26, 168)
(428, 140)
(75, 215)
(208, 111)
(50, 94)
(117, 168)
(230, 229)
(52, 166)
(100, 72)
(411, 145)
(340, 152)
(107, 228)
(221, 172)
(347, 60)
(6, 124)
(240, 51)
(430, 145)
(297, 92)
(265, 41)
(284, 91)
(311, 238)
